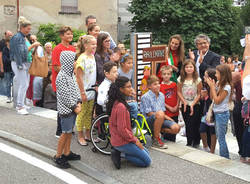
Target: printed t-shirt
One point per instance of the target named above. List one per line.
(170, 94)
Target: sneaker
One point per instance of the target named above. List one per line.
(22, 111)
(159, 144)
(207, 149)
(138, 131)
(27, 107)
(9, 100)
(72, 156)
(61, 162)
(116, 158)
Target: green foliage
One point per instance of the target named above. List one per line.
(216, 18)
(245, 14)
(49, 33)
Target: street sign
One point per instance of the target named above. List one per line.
(155, 53)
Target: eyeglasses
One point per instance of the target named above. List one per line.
(202, 43)
(106, 41)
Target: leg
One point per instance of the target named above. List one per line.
(88, 118)
(186, 118)
(159, 119)
(58, 128)
(61, 145)
(79, 124)
(67, 145)
(135, 155)
(196, 119)
(213, 143)
(171, 137)
(221, 129)
(238, 124)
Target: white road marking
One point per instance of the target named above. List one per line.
(59, 173)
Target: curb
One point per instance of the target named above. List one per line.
(212, 161)
(47, 152)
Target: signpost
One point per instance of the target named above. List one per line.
(155, 54)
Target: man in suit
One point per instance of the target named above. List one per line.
(203, 57)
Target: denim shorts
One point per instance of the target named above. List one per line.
(166, 123)
(68, 123)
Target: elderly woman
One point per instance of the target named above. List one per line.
(203, 57)
(48, 52)
(19, 63)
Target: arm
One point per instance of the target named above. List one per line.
(197, 99)
(56, 60)
(168, 118)
(216, 98)
(102, 95)
(64, 94)
(179, 92)
(247, 53)
(79, 80)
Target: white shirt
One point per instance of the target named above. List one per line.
(102, 96)
(197, 63)
(246, 87)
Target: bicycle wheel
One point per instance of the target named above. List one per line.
(100, 135)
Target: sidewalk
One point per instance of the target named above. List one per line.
(231, 167)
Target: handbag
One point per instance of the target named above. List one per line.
(39, 66)
(210, 114)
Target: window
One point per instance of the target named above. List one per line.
(69, 7)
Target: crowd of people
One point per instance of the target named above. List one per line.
(202, 87)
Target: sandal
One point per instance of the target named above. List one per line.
(82, 143)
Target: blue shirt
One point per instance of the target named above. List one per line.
(18, 49)
(151, 103)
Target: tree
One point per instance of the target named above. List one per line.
(216, 18)
(49, 33)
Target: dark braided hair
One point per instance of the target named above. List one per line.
(114, 94)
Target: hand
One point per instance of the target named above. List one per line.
(201, 56)
(19, 67)
(191, 54)
(210, 82)
(191, 110)
(78, 108)
(176, 108)
(84, 97)
(139, 144)
(36, 44)
(171, 109)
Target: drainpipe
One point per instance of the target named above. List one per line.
(17, 12)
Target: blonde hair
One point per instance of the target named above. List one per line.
(81, 42)
(166, 67)
(23, 22)
(152, 79)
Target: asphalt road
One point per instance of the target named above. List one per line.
(14, 170)
(164, 168)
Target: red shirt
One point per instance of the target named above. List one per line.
(120, 126)
(170, 93)
(56, 60)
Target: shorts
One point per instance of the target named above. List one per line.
(166, 123)
(68, 123)
(204, 128)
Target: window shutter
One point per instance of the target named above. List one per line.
(69, 5)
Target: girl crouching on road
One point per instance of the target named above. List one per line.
(122, 138)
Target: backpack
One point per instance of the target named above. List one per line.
(245, 112)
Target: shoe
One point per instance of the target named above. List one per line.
(82, 143)
(22, 111)
(27, 107)
(61, 162)
(159, 144)
(9, 100)
(116, 158)
(57, 136)
(207, 149)
(138, 131)
(72, 156)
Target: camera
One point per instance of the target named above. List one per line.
(242, 40)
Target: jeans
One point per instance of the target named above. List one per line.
(221, 120)
(21, 85)
(133, 109)
(5, 84)
(135, 155)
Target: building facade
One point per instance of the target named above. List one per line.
(65, 12)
